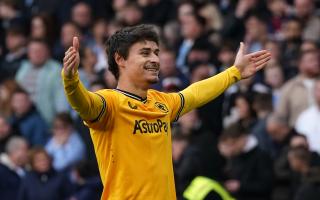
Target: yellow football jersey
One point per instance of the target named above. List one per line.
(132, 142)
(132, 136)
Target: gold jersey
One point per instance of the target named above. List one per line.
(133, 144)
(132, 136)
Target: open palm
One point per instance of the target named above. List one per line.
(249, 64)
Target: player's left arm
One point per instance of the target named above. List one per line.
(202, 92)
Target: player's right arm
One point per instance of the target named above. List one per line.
(89, 105)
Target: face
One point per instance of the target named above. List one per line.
(232, 146)
(61, 128)
(295, 164)
(41, 162)
(37, 28)
(81, 14)
(68, 31)
(4, 128)
(142, 65)
(20, 103)
(100, 29)
(298, 141)
(303, 7)
(243, 107)
(201, 72)
(255, 28)
(37, 53)
(274, 77)
(20, 154)
(190, 28)
(168, 65)
(15, 41)
(310, 64)
(277, 131)
(291, 30)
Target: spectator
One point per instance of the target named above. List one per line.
(308, 121)
(40, 77)
(186, 161)
(297, 93)
(5, 133)
(43, 182)
(26, 120)
(87, 181)
(68, 31)
(42, 28)
(193, 32)
(12, 164)
(170, 71)
(249, 170)
(6, 90)
(81, 15)
(299, 159)
(65, 146)
(16, 46)
(304, 10)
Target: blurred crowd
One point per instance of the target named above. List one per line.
(259, 140)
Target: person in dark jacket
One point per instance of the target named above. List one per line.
(12, 164)
(43, 182)
(300, 162)
(248, 170)
(26, 120)
(87, 181)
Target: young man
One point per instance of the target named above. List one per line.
(130, 125)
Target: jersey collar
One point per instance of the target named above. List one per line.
(133, 96)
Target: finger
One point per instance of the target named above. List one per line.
(75, 43)
(240, 52)
(69, 49)
(259, 65)
(261, 57)
(257, 53)
(71, 65)
(68, 56)
(70, 60)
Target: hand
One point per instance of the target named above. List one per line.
(249, 64)
(232, 185)
(71, 59)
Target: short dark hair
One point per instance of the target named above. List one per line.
(122, 40)
(234, 131)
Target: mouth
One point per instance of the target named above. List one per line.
(152, 67)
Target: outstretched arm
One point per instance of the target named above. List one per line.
(89, 105)
(206, 90)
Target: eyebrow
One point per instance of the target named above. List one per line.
(149, 49)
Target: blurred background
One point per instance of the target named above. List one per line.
(259, 140)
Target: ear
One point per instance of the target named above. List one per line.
(119, 60)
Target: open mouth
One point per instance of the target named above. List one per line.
(152, 67)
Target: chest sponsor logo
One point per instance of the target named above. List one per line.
(162, 107)
(132, 105)
(143, 126)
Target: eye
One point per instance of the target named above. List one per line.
(144, 53)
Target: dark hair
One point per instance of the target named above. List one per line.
(122, 40)
(64, 117)
(234, 131)
(300, 153)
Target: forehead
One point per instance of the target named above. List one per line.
(144, 44)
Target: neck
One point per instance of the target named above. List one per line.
(133, 88)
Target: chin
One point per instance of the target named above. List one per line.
(153, 81)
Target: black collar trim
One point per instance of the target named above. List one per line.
(128, 94)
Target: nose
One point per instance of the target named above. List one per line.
(154, 58)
